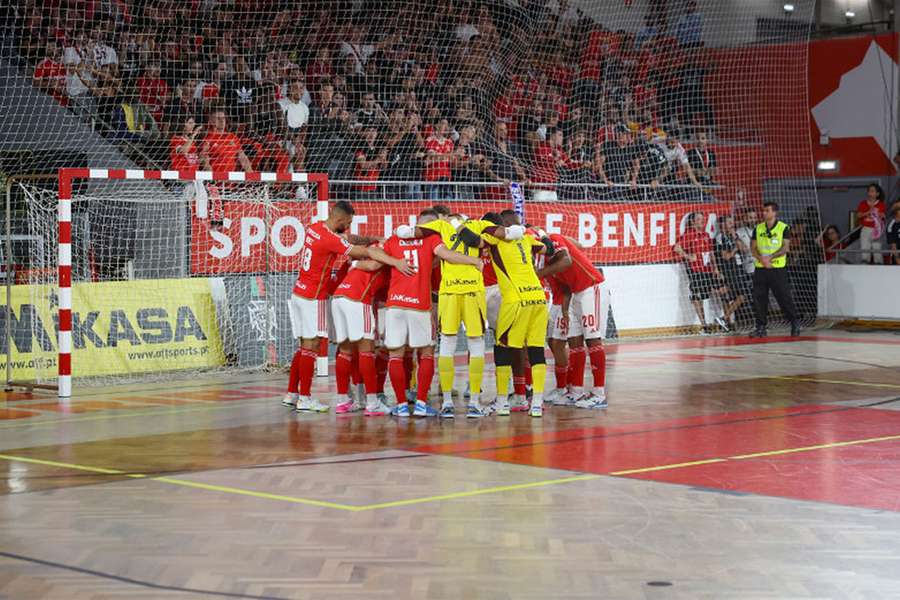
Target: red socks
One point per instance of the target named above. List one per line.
(355, 374)
(598, 364)
(307, 369)
(343, 364)
(294, 377)
(518, 386)
(424, 377)
(562, 377)
(399, 378)
(369, 372)
(577, 361)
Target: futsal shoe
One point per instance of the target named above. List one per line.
(468, 393)
(349, 405)
(596, 399)
(311, 405)
(519, 404)
(475, 412)
(501, 407)
(379, 409)
(553, 394)
(382, 397)
(290, 400)
(423, 410)
(568, 398)
(401, 410)
(447, 411)
(537, 411)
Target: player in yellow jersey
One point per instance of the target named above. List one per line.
(522, 321)
(461, 301)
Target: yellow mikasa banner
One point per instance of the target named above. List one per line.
(118, 327)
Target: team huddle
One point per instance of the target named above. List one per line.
(449, 274)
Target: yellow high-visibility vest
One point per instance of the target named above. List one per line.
(770, 241)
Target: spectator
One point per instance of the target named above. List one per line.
(892, 235)
(703, 160)
(182, 106)
(296, 113)
(654, 166)
(370, 114)
(50, 74)
(208, 92)
(549, 158)
(133, 124)
(469, 163)
(183, 151)
(689, 28)
(870, 213)
(830, 239)
(406, 149)
(221, 147)
(438, 154)
(704, 278)
(620, 160)
(730, 259)
(153, 91)
(319, 68)
(745, 234)
(370, 161)
(678, 161)
(239, 92)
(78, 59)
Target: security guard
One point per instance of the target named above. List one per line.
(770, 244)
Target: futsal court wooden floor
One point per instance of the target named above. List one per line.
(723, 468)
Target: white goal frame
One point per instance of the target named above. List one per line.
(66, 178)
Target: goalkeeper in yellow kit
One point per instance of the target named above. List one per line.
(461, 301)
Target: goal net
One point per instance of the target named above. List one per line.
(623, 124)
(160, 275)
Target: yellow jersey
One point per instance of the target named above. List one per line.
(459, 279)
(514, 265)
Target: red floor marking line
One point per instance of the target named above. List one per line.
(8, 414)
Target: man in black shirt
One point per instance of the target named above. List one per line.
(703, 160)
(620, 161)
(731, 265)
(654, 164)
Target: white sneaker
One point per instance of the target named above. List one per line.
(520, 404)
(290, 399)
(349, 405)
(379, 409)
(537, 410)
(501, 408)
(569, 398)
(595, 399)
(311, 405)
(553, 394)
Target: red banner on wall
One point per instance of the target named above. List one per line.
(612, 233)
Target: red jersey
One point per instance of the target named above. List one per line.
(364, 286)
(700, 245)
(412, 291)
(869, 219)
(223, 149)
(153, 94)
(51, 70)
(582, 273)
(365, 175)
(438, 170)
(320, 249)
(545, 159)
(183, 161)
(337, 276)
(490, 277)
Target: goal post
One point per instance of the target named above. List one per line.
(154, 271)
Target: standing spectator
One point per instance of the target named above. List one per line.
(320, 68)
(239, 92)
(50, 74)
(770, 245)
(182, 105)
(221, 147)
(438, 154)
(703, 160)
(549, 158)
(731, 264)
(620, 161)
(654, 165)
(689, 28)
(892, 235)
(370, 114)
(678, 161)
(296, 112)
(704, 278)
(370, 161)
(153, 91)
(183, 152)
(745, 235)
(78, 60)
(870, 212)
(406, 149)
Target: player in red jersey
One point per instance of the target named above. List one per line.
(353, 316)
(322, 245)
(587, 311)
(408, 320)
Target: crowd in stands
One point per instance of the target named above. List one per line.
(428, 90)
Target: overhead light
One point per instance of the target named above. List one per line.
(827, 166)
(788, 8)
(849, 14)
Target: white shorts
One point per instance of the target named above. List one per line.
(353, 320)
(309, 317)
(408, 327)
(588, 311)
(492, 297)
(558, 325)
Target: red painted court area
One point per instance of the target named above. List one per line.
(820, 453)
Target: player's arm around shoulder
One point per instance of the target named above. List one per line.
(456, 258)
(377, 254)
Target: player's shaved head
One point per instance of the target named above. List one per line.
(493, 217)
(441, 210)
(340, 216)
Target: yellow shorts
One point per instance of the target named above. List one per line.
(522, 326)
(466, 309)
